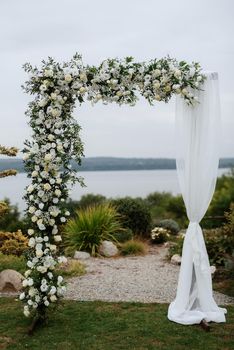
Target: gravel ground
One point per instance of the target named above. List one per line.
(146, 279)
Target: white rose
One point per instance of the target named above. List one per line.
(22, 296)
(57, 238)
(47, 186)
(50, 137)
(30, 282)
(25, 283)
(46, 303)
(48, 157)
(30, 188)
(60, 279)
(26, 311)
(82, 90)
(57, 192)
(34, 173)
(31, 209)
(48, 73)
(157, 97)
(59, 180)
(63, 219)
(39, 253)
(26, 156)
(34, 218)
(68, 78)
(31, 242)
(53, 298)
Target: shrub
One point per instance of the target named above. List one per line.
(14, 243)
(123, 236)
(11, 221)
(132, 247)
(159, 235)
(90, 227)
(12, 262)
(177, 247)
(135, 214)
(170, 225)
(90, 200)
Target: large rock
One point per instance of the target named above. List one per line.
(108, 248)
(79, 255)
(10, 281)
(176, 259)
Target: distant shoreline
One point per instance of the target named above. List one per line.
(115, 164)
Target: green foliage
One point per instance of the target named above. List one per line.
(132, 247)
(11, 220)
(14, 243)
(177, 210)
(222, 199)
(170, 225)
(135, 214)
(90, 199)
(177, 246)
(123, 236)
(90, 227)
(12, 262)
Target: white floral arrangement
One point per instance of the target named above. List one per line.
(56, 141)
(159, 235)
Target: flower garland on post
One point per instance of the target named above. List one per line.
(55, 142)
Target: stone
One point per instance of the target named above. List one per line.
(79, 255)
(176, 259)
(108, 249)
(10, 281)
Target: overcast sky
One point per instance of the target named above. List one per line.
(200, 30)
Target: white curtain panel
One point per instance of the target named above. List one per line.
(197, 137)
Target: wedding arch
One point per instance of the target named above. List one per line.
(55, 142)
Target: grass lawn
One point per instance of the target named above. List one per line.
(109, 326)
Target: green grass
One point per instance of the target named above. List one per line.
(110, 326)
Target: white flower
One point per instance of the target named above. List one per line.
(34, 218)
(57, 238)
(39, 253)
(22, 296)
(42, 269)
(34, 173)
(63, 219)
(31, 242)
(48, 73)
(26, 311)
(50, 137)
(68, 78)
(47, 187)
(32, 292)
(67, 213)
(60, 279)
(46, 303)
(59, 180)
(41, 205)
(48, 157)
(62, 260)
(57, 192)
(53, 298)
(30, 282)
(52, 290)
(31, 209)
(44, 287)
(55, 230)
(25, 283)
(30, 188)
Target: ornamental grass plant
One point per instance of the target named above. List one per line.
(90, 227)
(133, 247)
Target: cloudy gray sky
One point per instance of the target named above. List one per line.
(198, 30)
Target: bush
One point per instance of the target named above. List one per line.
(90, 227)
(12, 262)
(177, 247)
(135, 214)
(11, 221)
(170, 225)
(132, 247)
(90, 200)
(159, 235)
(123, 236)
(14, 243)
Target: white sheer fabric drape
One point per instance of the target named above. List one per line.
(197, 135)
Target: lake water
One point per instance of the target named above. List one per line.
(108, 183)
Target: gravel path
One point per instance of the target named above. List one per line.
(146, 279)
